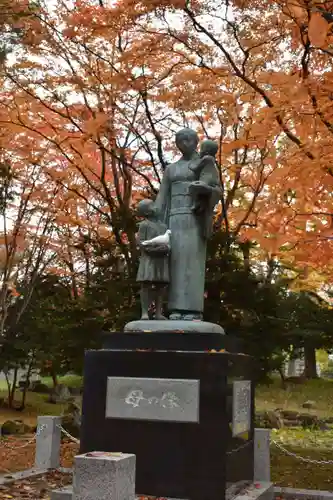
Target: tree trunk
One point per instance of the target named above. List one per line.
(26, 385)
(283, 378)
(8, 387)
(310, 368)
(54, 378)
(11, 388)
(246, 257)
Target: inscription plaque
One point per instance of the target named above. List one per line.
(241, 407)
(174, 400)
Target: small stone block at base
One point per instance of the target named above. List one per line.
(63, 494)
(257, 491)
(104, 476)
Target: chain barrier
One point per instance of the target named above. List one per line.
(299, 457)
(240, 447)
(30, 440)
(74, 439)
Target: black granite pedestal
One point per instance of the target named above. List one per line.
(186, 415)
(171, 341)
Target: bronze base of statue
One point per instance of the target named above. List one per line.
(174, 326)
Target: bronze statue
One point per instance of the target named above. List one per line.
(186, 182)
(153, 272)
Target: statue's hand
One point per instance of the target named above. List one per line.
(207, 158)
(201, 205)
(199, 208)
(199, 188)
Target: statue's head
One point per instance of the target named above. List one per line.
(146, 208)
(208, 147)
(187, 141)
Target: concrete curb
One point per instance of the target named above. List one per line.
(19, 476)
(28, 473)
(294, 493)
(262, 491)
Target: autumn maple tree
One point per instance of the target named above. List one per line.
(108, 125)
(109, 84)
(27, 249)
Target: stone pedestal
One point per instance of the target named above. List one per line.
(186, 415)
(104, 476)
(188, 338)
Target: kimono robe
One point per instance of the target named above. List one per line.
(189, 233)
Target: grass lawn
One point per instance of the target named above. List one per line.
(320, 391)
(69, 380)
(291, 473)
(310, 444)
(36, 404)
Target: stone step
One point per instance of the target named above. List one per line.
(262, 491)
(65, 493)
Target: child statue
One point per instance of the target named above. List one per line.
(153, 272)
(205, 191)
(208, 151)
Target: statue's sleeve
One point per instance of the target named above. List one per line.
(142, 234)
(162, 202)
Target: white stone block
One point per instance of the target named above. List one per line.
(48, 441)
(104, 476)
(262, 465)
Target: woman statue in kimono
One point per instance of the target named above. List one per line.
(184, 186)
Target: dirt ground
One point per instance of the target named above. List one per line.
(35, 489)
(17, 454)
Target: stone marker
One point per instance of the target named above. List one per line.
(241, 407)
(48, 441)
(60, 394)
(262, 469)
(103, 476)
